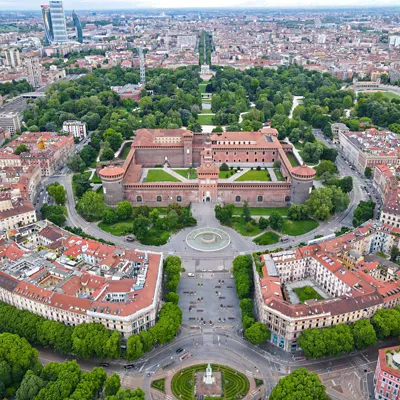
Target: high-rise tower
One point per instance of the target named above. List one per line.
(78, 27)
(34, 71)
(12, 57)
(48, 27)
(59, 26)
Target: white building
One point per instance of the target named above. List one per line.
(16, 217)
(77, 128)
(10, 122)
(12, 57)
(58, 22)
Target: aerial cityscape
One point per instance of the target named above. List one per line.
(199, 203)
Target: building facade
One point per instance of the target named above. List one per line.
(77, 128)
(59, 27)
(387, 374)
(34, 69)
(10, 122)
(12, 57)
(179, 148)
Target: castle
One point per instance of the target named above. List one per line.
(181, 148)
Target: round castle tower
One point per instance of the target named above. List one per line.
(113, 190)
(302, 181)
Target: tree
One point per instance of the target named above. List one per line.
(124, 210)
(81, 184)
(57, 192)
(394, 253)
(243, 274)
(347, 101)
(55, 214)
(134, 347)
(30, 386)
(276, 221)
(363, 212)
(224, 214)
(107, 154)
(319, 204)
(297, 212)
(88, 155)
(326, 166)
(247, 305)
(75, 163)
(224, 167)
(263, 223)
(299, 385)
(113, 138)
(140, 227)
(247, 321)
(172, 297)
(364, 334)
(312, 152)
(340, 200)
(109, 216)
(329, 154)
(257, 333)
(147, 339)
(386, 322)
(246, 213)
(22, 148)
(113, 384)
(171, 220)
(368, 172)
(91, 206)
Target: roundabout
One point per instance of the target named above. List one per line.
(212, 380)
(208, 239)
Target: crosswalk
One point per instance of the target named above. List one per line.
(170, 372)
(249, 373)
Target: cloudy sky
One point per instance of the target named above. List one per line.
(127, 4)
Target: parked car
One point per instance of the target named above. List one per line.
(104, 364)
(178, 351)
(129, 366)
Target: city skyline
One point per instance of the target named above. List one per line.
(29, 5)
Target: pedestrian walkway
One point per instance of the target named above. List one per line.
(237, 175)
(178, 176)
(272, 174)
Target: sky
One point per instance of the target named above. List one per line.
(165, 4)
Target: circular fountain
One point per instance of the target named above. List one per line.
(208, 239)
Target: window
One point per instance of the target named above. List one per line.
(237, 199)
(178, 199)
(159, 198)
(139, 199)
(260, 199)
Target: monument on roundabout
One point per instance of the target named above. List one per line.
(209, 383)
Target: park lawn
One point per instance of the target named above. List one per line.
(158, 175)
(159, 384)
(307, 293)
(279, 174)
(292, 159)
(95, 179)
(254, 175)
(120, 228)
(100, 189)
(263, 211)
(226, 174)
(184, 173)
(206, 111)
(387, 95)
(239, 225)
(296, 228)
(299, 145)
(267, 238)
(125, 151)
(205, 119)
(206, 101)
(202, 87)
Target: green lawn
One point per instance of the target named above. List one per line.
(125, 151)
(226, 174)
(184, 173)
(156, 237)
(267, 238)
(254, 175)
(307, 293)
(206, 101)
(299, 145)
(296, 228)
(202, 87)
(158, 175)
(263, 210)
(387, 95)
(279, 174)
(95, 179)
(121, 228)
(235, 385)
(206, 111)
(159, 384)
(292, 159)
(239, 225)
(100, 189)
(205, 119)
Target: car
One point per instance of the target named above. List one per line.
(130, 239)
(129, 366)
(178, 351)
(190, 274)
(104, 364)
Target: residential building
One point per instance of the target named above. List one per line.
(387, 374)
(116, 287)
(77, 128)
(34, 70)
(337, 129)
(19, 215)
(10, 122)
(353, 287)
(12, 57)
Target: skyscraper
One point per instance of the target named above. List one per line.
(48, 27)
(78, 27)
(34, 71)
(58, 24)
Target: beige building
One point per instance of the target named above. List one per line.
(16, 217)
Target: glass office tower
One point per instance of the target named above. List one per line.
(48, 28)
(78, 27)
(59, 26)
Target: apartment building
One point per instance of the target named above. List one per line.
(351, 290)
(77, 128)
(387, 374)
(10, 122)
(19, 215)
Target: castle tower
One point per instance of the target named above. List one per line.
(208, 175)
(302, 181)
(188, 149)
(113, 190)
